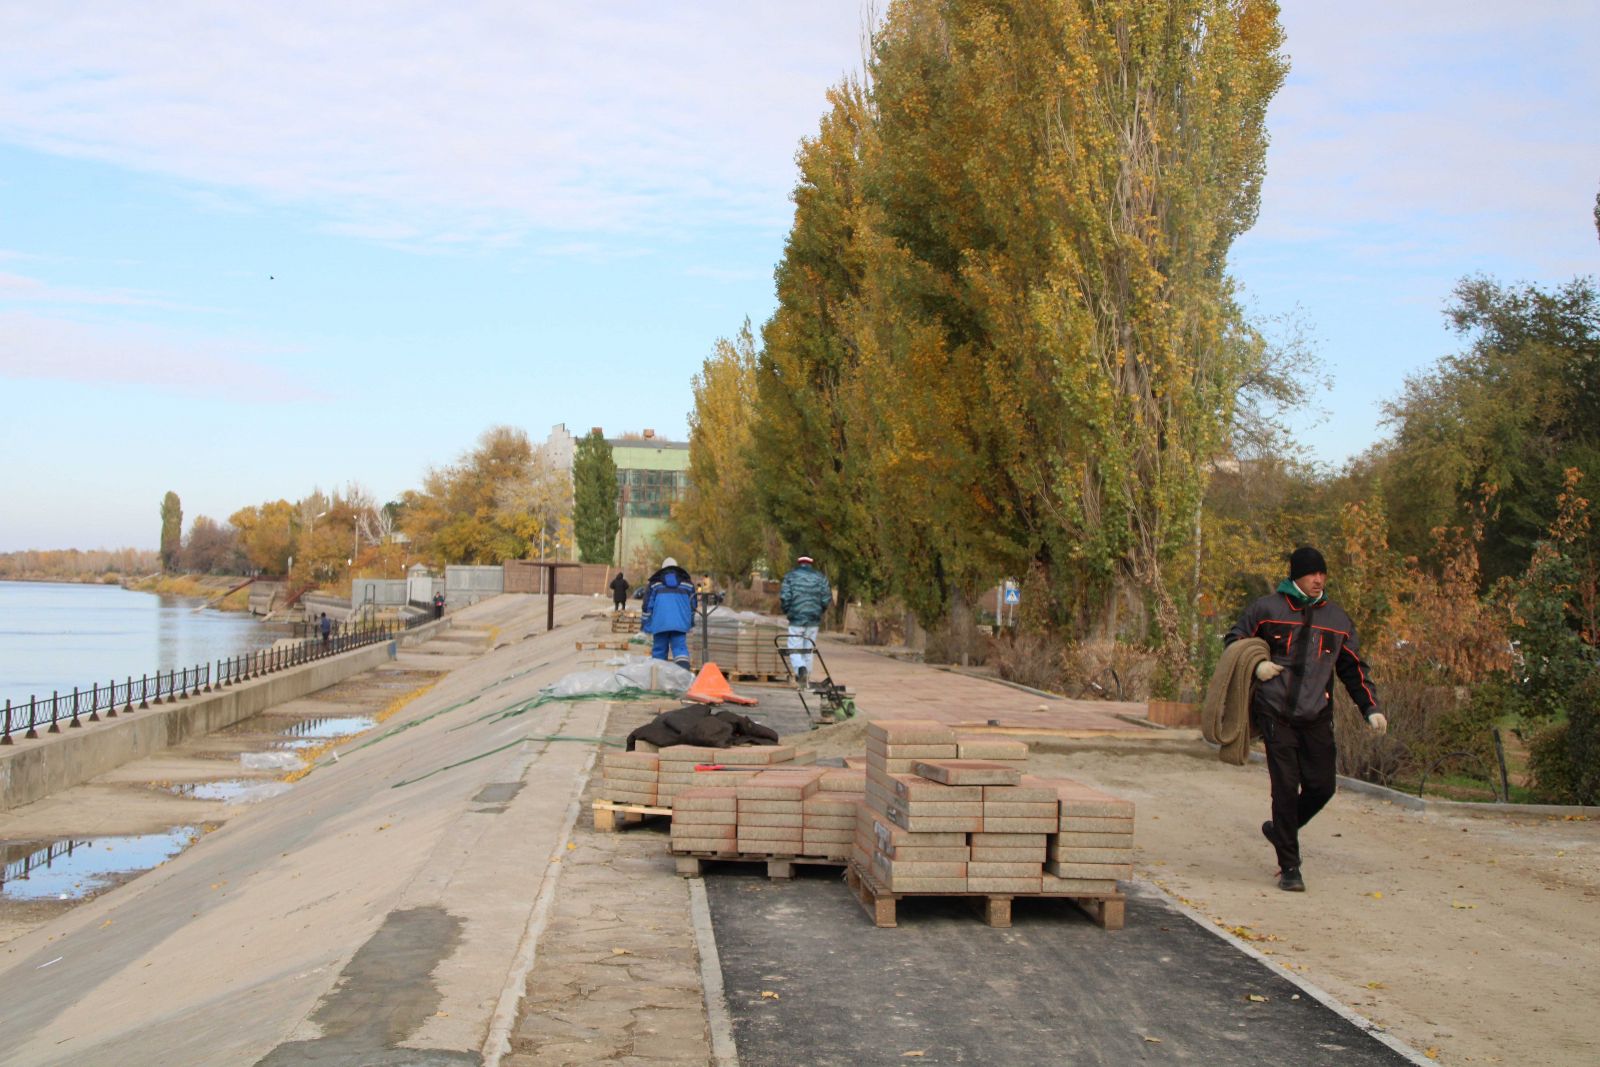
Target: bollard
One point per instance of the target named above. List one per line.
(55, 712)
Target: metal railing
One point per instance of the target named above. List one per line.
(71, 710)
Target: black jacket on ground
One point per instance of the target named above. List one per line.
(703, 725)
(1311, 644)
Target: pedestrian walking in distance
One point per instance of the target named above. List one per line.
(438, 605)
(1309, 640)
(325, 626)
(619, 592)
(668, 612)
(804, 595)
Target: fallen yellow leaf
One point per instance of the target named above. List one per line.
(1461, 906)
(1376, 985)
(571, 845)
(1257, 998)
(105, 924)
(1431, 1053)
(1153, 1040)
(1376, 894)
(767, 994)
(620, 952)
(909, 1055)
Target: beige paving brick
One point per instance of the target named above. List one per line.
(968, 772)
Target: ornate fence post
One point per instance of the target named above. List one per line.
(128, 708)
(55, 712)
(94, 703)
(5, 738)
(111, 699)
(144, 691)
(33, 718)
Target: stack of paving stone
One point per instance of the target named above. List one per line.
(944, 814)
(654, 778)
(740, 647)
(781, 811)
(1093, 846)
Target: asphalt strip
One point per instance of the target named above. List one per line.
(808, 978)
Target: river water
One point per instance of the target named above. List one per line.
(57, 636)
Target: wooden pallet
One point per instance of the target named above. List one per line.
(1107, 910)
(607, 813)
(778, 866)
(625, 622)
(748, 676)
(614, 646)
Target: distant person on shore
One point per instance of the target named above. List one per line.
(668, 612)
(325, 626)
(1309, 639)
(619, 592)
(438, 605)
(804, 596)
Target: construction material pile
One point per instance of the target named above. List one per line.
(649, 777)
(945, 814)
(741, 645)
(781, 811)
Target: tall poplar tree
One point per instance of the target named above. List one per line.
(810, 444)
(719, 515)
(171, 531)
(594, 486)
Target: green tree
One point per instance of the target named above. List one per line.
(171, 531)
(1501, 421)
(594, 490)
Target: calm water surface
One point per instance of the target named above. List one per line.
(59, 636)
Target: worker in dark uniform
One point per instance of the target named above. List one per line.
(619, 592)
(1310, 639)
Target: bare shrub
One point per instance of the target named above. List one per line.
(1031, 659)
(1088, 664)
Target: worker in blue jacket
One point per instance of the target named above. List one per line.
(804, 596)
(668, 612)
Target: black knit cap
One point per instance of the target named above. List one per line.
(1306, 560)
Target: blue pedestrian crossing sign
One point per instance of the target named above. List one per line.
(1013, 595)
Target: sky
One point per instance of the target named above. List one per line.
(251, 250)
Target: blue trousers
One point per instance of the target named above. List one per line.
(673, 645)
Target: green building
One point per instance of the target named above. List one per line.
(651, 475)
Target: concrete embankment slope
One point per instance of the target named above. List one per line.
(37, 767)
(371, 915)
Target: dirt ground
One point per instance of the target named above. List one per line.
(1475, 939)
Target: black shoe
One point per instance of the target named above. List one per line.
(800, 676)
(1290, 881)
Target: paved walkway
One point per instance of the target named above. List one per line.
(887, 688)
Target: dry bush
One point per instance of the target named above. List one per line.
(1031, 659)
(1089, 663)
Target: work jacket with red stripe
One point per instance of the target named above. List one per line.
(1311, 644)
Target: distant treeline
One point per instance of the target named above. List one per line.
(75, 565)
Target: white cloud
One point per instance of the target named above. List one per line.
(47, 348)
(481, 120)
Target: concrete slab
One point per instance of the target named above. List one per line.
(809, 979)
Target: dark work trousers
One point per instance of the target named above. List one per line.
(1301, 761)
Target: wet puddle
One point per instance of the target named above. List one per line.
(81, 867)
(309, 733)
(231, 791)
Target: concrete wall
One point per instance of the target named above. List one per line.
(30, 770)
(466, 585)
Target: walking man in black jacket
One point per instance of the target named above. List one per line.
(1291, 706)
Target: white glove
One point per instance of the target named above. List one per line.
(1267, 670)
(1379, 723)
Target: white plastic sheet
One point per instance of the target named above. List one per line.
(637, 674)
